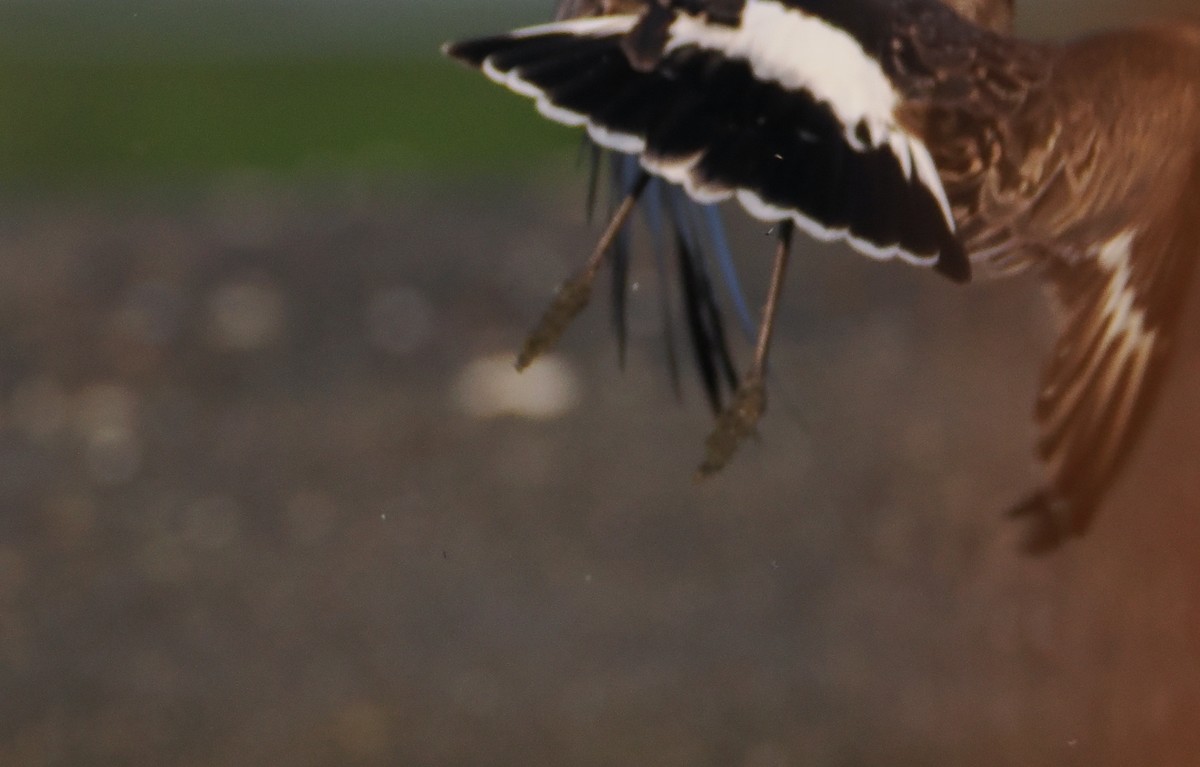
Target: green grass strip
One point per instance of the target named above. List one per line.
(63, 122)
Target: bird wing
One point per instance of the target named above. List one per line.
(784, 109)
(1120, 306)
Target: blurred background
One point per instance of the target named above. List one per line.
(270, 494)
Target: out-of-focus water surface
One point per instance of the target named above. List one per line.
(270, 493)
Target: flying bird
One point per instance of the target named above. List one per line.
(915, 130)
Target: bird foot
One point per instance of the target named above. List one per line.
(570, 300)
(738, 421)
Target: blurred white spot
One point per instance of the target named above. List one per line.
(106, 418)
(490, 386)
(246, 314)
(39, 408)
(399, 320)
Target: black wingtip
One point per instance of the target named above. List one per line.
(1049, 521)
(470, 52)
(953, 262)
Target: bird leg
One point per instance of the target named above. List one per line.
(575, 293)
(739, 419)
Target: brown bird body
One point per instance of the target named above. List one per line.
(922, 131)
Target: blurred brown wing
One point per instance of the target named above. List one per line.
(1121, 306)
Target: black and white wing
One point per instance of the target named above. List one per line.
(774, 105)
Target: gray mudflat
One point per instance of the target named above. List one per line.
(255, 509)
